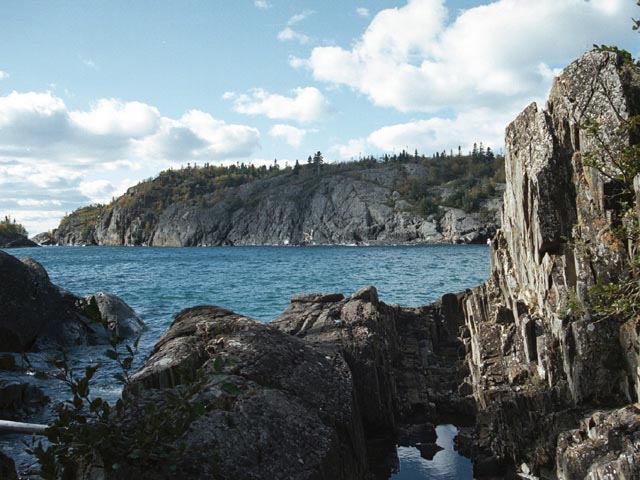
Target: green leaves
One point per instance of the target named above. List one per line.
(132, 436)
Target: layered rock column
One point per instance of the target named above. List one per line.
(538, 356)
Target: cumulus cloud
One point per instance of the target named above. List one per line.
(3, 75)
(76, 157)
(363, 12)
(262, 4)
(305, 105)
(433, 134)
(114, 117)
(414, 58)
(39, 125)
(197, 135)
(292, 135)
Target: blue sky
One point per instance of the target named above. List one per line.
(97, 95)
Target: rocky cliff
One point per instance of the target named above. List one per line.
(541, 359)
(351, 205)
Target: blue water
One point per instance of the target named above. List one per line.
(446, 465)
(254, 281)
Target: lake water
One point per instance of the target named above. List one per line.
(258, 282)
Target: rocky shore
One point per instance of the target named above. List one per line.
(549, 386)
(36, 314)
(552, 390)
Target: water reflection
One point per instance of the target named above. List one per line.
(447, 464)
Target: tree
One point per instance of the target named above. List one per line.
(296, 168)
(318, 161)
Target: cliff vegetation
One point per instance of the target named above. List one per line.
(402, 198)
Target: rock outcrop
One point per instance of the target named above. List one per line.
(540, 359)
(289, 414)
(36, 312)
(7, 468)
(15, 241)
(312, 389)
(360, 207)
(44, 239)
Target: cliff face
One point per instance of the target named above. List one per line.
(539, 358)
(360, 206)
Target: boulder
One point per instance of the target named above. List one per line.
(112, 310)
(290, 413)
(36, 313)
(18, 398)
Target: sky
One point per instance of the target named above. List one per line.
(97, 95)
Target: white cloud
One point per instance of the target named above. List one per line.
(354, 148)
(197, 135)
(3, 75)
(433, 134)
(53, 158)
(288, 34)
(292, 135)
(298, 17)
(307, 104)
(363, 12)
(39, 125)
(32, 202)
(413, 59)
(262, 4)
(113, 117)
(97, 190)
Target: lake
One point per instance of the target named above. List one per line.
(259, 282)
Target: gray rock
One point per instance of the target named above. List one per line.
(607, 445)
(36, 313)
(535, 367)
(44, 239)
(293, 415)
(118, 316)
(16, 241)
(18, 398)
(344, 208)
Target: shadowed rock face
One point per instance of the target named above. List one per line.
(35, 313)
(535, 365)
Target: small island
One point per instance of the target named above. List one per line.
(14, 235)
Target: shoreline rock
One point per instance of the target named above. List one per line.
(37, 314)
